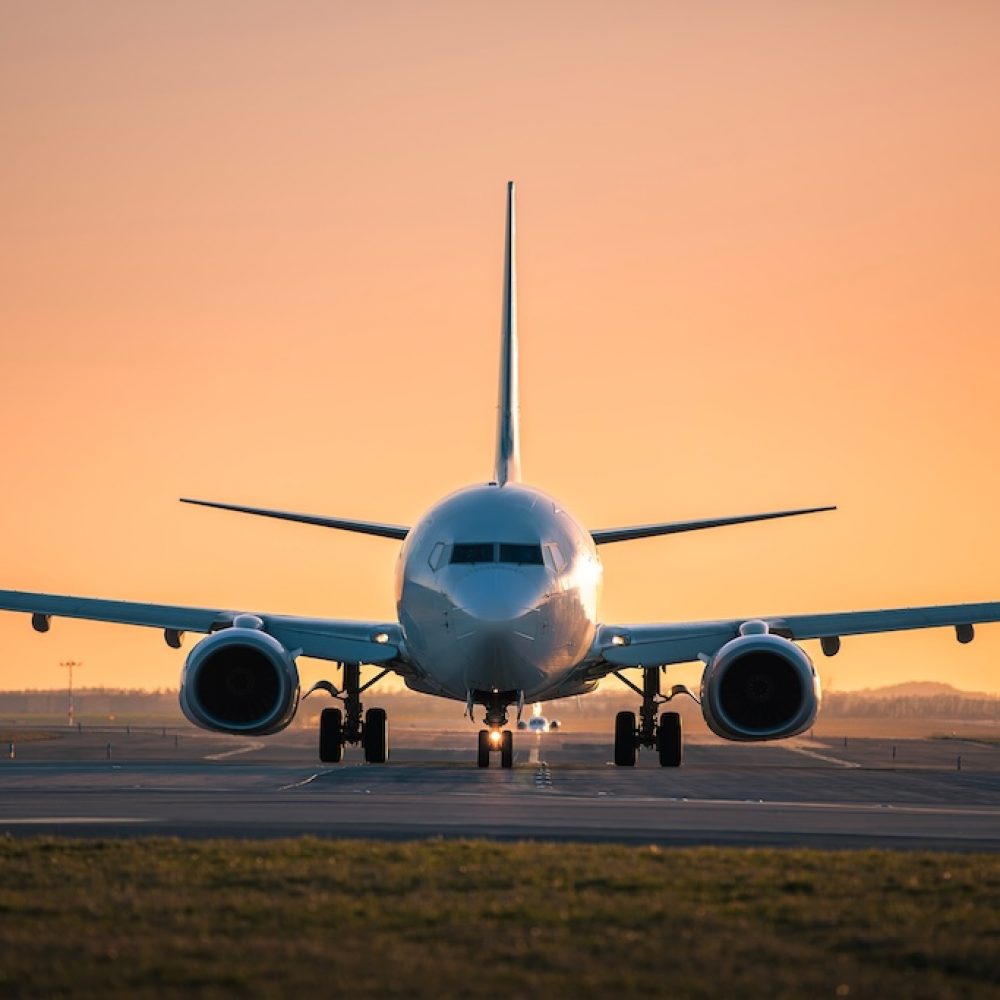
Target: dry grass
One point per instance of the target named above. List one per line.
(16, 736)
(159, 917)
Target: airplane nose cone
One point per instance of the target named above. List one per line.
(496, 617)
(495, 595)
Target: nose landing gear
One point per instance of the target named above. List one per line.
(494, 740)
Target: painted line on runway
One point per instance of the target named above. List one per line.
(305, 781)
(822, 756)
(68, 820)
(878, 807)
(256, 745)
(543, 777)
(533, 755)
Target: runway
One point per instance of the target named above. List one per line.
(811, 793)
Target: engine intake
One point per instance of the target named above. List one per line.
(240, 680)
(760, 687)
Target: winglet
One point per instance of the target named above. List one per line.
(508, 456)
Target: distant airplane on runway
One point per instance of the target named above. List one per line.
(496, 598)
(538, 723)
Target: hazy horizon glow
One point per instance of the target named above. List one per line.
(252, 253)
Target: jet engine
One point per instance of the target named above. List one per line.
(759, 686)
(240, 680)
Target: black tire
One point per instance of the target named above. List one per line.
(375, 737)
(507, 749)
(625, 739)
(484, 748)
(625, 745)
(670, 740)
(331, 736)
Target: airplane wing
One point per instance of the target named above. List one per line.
(339, 640)
(660, 645)
(397, 531)
(604, 536)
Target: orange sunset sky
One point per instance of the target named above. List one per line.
(252, 252)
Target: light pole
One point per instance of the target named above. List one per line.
(69, 665)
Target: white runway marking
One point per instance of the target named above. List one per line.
(822, 756)
(68, 820)
(543, 776)
(533, 755)
(304, 781)
(255, 745)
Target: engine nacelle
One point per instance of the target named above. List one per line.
(759, 687)
(240, 680)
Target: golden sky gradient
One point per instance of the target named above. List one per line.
(252, 252)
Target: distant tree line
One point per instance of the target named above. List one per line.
(89, 701)
(950, 704)
(858, 704)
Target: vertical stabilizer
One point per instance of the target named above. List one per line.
(508, 459)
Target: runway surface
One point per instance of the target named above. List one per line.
(797, 793)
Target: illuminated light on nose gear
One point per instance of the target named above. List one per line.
(495, 737)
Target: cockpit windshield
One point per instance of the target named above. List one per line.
(473, 552)
(520, 553)
(523, 555)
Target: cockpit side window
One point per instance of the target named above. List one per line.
(473, 552)
(521, 554)
(554, 557)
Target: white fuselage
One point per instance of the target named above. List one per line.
(496, 590)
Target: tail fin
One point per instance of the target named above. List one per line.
(508, 457)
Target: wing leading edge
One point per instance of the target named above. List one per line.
(324, 638)
(661, 645)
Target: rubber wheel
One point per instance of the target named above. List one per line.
(331, 736)
(484, 748)
(375, 736)
(507, 749)
(625, 739)
(670, 740)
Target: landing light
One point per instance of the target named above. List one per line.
(495, 736)
(619, 640)
(381, 638)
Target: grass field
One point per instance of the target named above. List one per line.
(25, 736)
(160, 917)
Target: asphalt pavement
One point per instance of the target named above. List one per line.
(812, 793)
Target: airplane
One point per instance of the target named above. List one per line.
(538, 723)
(497, 605)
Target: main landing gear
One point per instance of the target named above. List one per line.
(494, 739)
(339, 727)
(664, 734)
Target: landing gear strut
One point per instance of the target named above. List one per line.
(339, 727)
(665, 733)
(495, 739)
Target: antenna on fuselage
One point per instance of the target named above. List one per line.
(508, 458)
